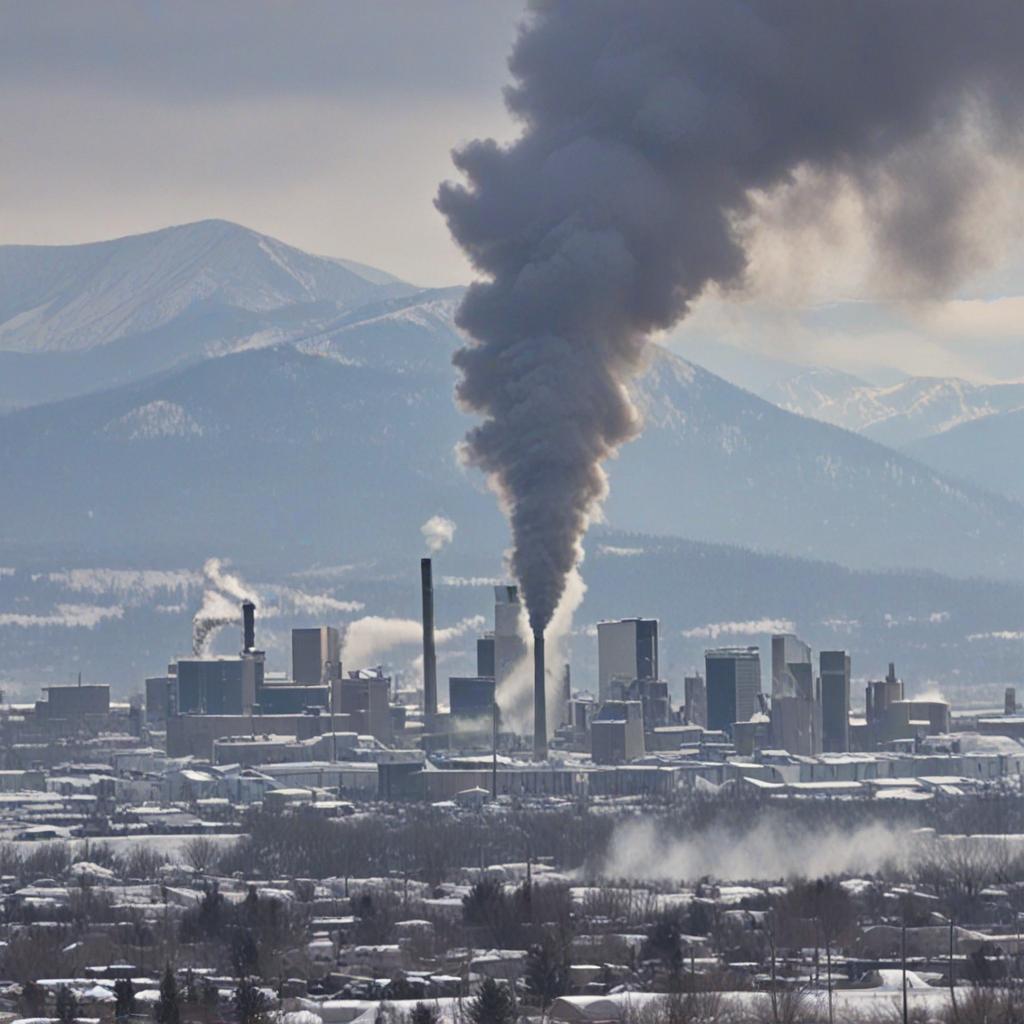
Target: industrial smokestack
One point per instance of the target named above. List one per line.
(429, 654)
(540, 713)
(248, 626)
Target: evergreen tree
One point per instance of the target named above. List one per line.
(546, 972)
(250, 1003)
(124, 998)
(492, 1005)
(167, 1009)
(67, 1005)
(33, 999)
(424, 1013)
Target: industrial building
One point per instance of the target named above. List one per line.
(627, 649)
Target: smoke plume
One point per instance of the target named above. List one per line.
(437, 532)
(224, 591)
(651, 134)
(368, 638)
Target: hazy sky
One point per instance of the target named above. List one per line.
(326, 124)
(329, 126)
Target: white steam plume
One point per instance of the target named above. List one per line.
(515, 696)
(225, 591)
(642, 850)
(652, 133)
(366, 639)
(437, 532)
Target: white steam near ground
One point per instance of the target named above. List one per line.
(772, 849)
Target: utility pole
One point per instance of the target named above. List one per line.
(828, 959)
(494, 748)
(903, 956)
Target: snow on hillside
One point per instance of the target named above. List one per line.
(74, 298)
(897, 414)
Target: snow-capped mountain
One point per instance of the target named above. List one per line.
(898, 414)
(77, 297)
(77, 318)
(280, 452)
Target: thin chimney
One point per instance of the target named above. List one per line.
(248, 626)
(540, 716)
(429, 654)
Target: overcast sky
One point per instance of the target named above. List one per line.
(328, 124)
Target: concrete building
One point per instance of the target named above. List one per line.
(626, 650)
(74, 701)
(509, 647)
(471, 698)
(316, 655)
(733, 677)
(617, 732)
(834, 672)
(218, 686)
(365, 698)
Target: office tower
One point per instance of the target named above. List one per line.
(792, 675)
(733, 677)
(796, 703)
(834, 670)
(509, 647)
(695, 700)
(316, 655)
(626, 650)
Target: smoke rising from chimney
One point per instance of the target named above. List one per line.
(651, 133)
(437, 532)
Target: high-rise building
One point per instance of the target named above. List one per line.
(796, 699)
(626, 650)
(509, 647)
(733, 677)
(316, 655)
(792, 674)
(834, 670)
(695, 700)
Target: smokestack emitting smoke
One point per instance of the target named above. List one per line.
(649, 129)
(540, 713)
(429, 653)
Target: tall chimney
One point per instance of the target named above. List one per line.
(429, 654)
(248, 626)
(540, 715)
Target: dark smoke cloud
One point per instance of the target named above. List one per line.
(647, 128)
